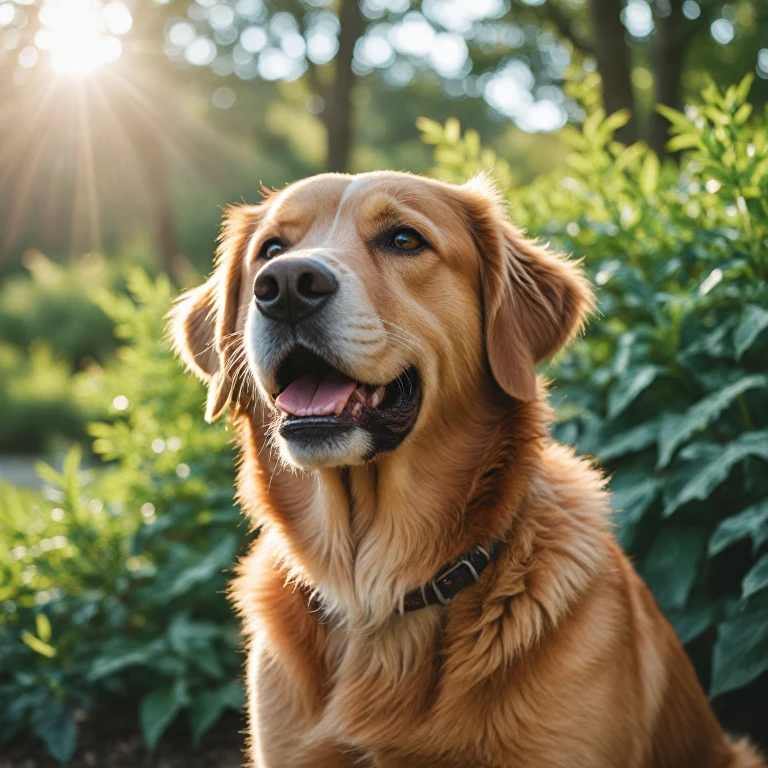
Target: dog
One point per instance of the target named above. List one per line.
(435, 582)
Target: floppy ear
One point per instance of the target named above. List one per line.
(534, 300)
(204, 319)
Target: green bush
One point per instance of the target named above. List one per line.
(53, 302)
(111, 583)
(50, 329)
(39, 404)
(668, 389)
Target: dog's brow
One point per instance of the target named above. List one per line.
(289, 221)
(387, 207)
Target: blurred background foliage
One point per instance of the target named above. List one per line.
(125, 125)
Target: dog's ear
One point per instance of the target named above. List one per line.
(203, 322)
(534, 300)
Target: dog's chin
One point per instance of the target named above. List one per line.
(320, 442)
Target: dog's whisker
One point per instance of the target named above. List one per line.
(400, 328)
(402, 342)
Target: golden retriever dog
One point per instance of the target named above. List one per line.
(435, 583)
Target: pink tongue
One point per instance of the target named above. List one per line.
(312, 395)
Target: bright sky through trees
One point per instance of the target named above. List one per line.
(79, 35)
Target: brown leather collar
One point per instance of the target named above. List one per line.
(451, 580)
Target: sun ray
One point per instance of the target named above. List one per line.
(87, 168)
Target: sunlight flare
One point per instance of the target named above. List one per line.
(81, 34)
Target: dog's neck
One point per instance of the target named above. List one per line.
(361, 537)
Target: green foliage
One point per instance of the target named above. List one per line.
(48, 301)
(39, 401)
(50, 329)
(111, 582)
(668, 388)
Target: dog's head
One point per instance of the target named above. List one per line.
(364, 308)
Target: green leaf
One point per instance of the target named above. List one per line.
(630, 441)
(124, 654)
(753, 322)
(186, 636)
(212, 563)
(630, 155)
(613, 122)
(573, 138)
(684, 141)
(739, 656)
(159, 709)
(671, 565)
(649, 175)
(742, 89)
(714, 344)
(742, 114)
(57, 728)
(208, 707)
(690, 623)
(633, 492)
(628, 387)
(677, 429)
(592, 123)
(194, 641)
(452, 130)
(472, 143)
(72, 461)
(207, 661)
(756, 579)
(702, 477)
(679, 121)
(431, 131)
(37, 645)
(47, 473)
(752, 522)
(43, 625)
(631, 500)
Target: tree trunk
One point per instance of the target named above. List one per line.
(614, 63)
(338, 112)
(163, 227)
(151, 157)
(668, 57)
(154, 163)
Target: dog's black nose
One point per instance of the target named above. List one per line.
(290, 289)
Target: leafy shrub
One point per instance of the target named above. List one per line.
(111, 583)
(669, 389)
(39, 403)
(50, 328)
(52, 302)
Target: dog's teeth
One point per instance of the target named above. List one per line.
(357, 409)
(359, 395)
(377, 396)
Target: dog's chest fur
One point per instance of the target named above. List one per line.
(425, 691)
(415, 690)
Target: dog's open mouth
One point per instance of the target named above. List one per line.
(316, 396)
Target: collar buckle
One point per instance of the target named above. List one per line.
(442, 589)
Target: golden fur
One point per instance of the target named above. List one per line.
(559, 656)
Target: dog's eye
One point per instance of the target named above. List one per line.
(271, 248)
(407, 239)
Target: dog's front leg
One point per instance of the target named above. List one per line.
(282, 720)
